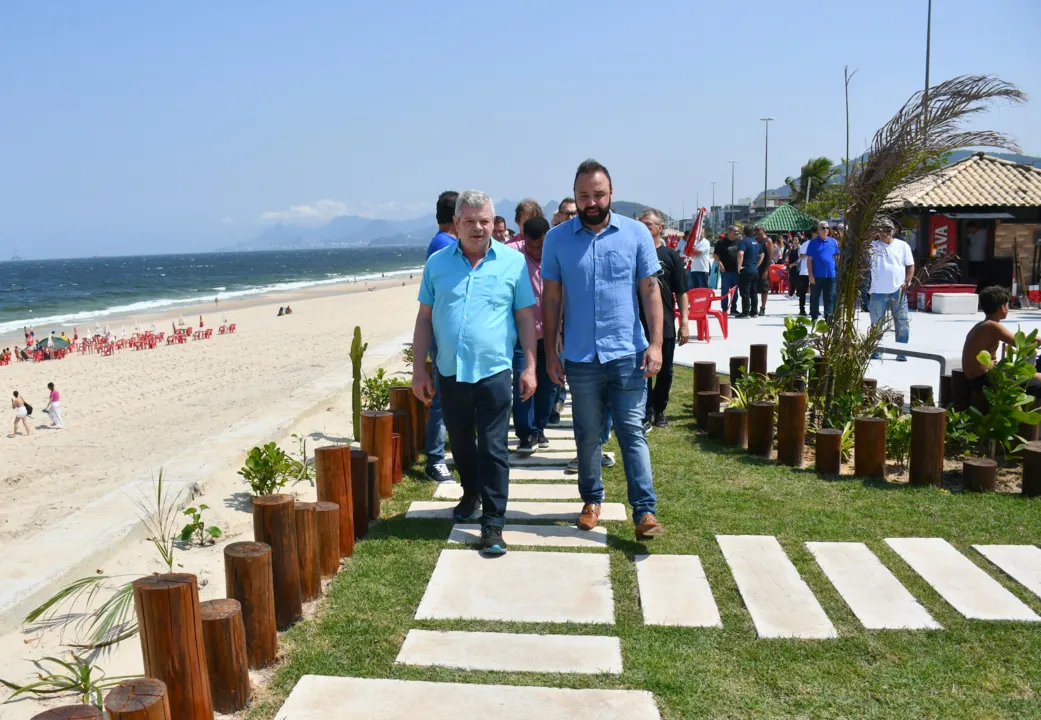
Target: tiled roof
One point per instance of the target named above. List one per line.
(786, 218)
(977, 181)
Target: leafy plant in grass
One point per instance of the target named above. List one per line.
(196, 531)
(960, 435)
(1005, 397)
(375, 391)
(898, 435)
(301, 470)
(267, 469)
(843, 409)
(797, 351)
(752, 387)
(76, 675)
(846, 441)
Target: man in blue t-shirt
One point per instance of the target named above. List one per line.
(748, 251)
(821, 254)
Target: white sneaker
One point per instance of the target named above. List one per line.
(438, 473)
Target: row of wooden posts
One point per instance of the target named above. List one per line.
(197, 656)
(754, 428)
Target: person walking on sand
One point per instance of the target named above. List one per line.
(53, 408)
(595, 264)
(476, 300)
(21, 412)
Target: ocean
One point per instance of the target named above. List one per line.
(55, 294)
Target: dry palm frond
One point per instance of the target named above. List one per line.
(942, 269)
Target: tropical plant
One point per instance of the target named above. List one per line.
(196, 531)
(1006, 401)
(898, 436)
(267, 469)
(76, 675)
(960, 434)
(843, 409)
(408, 355)
(828, 203)
(357, 351)
(797, 351)
(301, 470)
(817, 173)
(752, 387)
(846, 441)
(375, 392)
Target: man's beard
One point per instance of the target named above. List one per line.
(595, 217)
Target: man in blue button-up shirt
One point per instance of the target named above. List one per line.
(476, 300)
(595, 264)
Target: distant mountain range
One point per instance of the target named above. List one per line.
(353, 231)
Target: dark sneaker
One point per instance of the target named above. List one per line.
(901, 358)
(606, 460)
(527, 446)
(542, 440)
(491, 541)
(649, 527)
(438, 473)
(741, 316)
(755, 314)
(647, 426)
(554, 418)
(572, 467)
(660, 420)
(468, 509)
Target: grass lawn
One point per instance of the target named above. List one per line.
(971, 669)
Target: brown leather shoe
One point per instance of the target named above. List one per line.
(590, 516)
(649, 527)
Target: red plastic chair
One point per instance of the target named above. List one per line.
(723, 315)
(778, 279)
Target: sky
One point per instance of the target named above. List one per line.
(135, 127)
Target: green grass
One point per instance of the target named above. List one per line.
(971, 669)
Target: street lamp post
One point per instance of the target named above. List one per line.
(766, 163)
(713, 205)
(732, 164)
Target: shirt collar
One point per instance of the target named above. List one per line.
(491, 248)
(577, 226)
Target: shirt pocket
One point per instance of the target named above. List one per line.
(492, 292)
(618, 266)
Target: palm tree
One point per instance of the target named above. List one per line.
(817, 172)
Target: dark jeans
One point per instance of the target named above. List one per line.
(477, 416)
(727, 281)
(658, 388)
(435, 448)
(698, 279)
(801, 287)
(531, 416)
(749, 289)
(823, 287)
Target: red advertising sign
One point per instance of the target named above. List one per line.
(943, 238)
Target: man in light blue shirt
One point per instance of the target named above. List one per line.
(476, 300)
(595, 264)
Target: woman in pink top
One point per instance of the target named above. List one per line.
(54, 407)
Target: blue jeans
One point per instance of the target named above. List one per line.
(531, 416)
(697, 279)
(727, 281)
(896, 303)
(435, 423)
(822, 287)
(617, 387)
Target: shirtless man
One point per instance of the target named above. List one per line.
(987, 335)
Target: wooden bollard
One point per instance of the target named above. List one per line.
(869, 447)
(333, 478)
(360, 492)
(395, 458)
(921, 395)
(757, 359)
(372, 486)
(928, 429)
(715, 425)
(959, 391)
(71, 712)
(704, 376)
(1032, 470)
(307, 551)
(735, 427)
(707, 402)
(401, 399)
(979, 474)
(761, 428)
(828, 448)
(736, 363)
(399, 427)
(248, 579)
(274, 524)
(376, 439)
(791, 429)
(870, 386)
(170, 627)
(327, 519)
(945, 390)
(138, 699)
(225, 639)
(725, 390)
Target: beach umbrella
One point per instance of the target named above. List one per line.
(692, 239)
(52, 343)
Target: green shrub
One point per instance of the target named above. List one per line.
(267, 469)
(196, 531)
(1005, 397)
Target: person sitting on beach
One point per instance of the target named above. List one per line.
(281, 312)
(987, 335)
(20, 413)
(289, 310)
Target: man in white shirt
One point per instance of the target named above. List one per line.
(977, 248)
(700, 262)
(892, 268)
(802, 280)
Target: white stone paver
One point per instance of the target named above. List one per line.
(334, 698)
(537, 536)
(519, 587)
(543, 473)
(511, 652)
(546, 457)
(674, 591)
(961, 582)
(557, 511)
(530, 491)
(872, 592)
(1021, 562)
(779, 600)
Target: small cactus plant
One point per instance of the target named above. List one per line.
(357, 351)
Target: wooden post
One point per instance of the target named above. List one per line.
(327, 518)
(1032, 470)
(401, 399)
(307, 551)
(928, 429)
(707, 402)
(274, 524)
(71, 712)
(870, 386)
(757, 359)
(399, 426)
(979, 474)
(715, 425)
(138, 699)
(736, 363)
(248, 579)
(376, 431)
(170, 627)
(945, 390)
(959, 391)
(921, 395)
(725, 390)
(761, 428)
(791, 428)
(225, 641)
(704, 376)
(333, 478)
(395, 459)
(829, 451)
(869, 447)
(360, 491)
(372, 487)
(735, 427)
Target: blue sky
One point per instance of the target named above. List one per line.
(155, 127)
